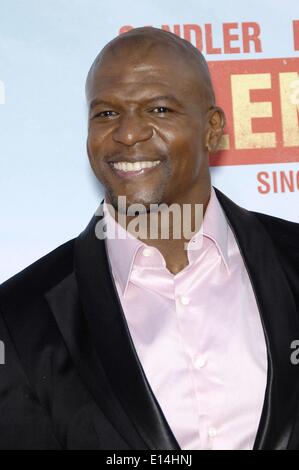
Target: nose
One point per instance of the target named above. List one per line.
(132, 129)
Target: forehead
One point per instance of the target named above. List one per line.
(131, 76)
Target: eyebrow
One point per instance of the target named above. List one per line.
(96, 102)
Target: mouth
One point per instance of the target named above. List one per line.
(128, 170)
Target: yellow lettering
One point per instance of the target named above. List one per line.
(244, 110)
(289, 97)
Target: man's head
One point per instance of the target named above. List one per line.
(129, 123)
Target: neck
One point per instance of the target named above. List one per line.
(170, 231)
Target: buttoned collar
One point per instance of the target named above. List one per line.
(122, 246)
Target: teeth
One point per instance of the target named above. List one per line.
(125, 166)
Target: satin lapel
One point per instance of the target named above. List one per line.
(280, 322)
(110, 335)
(64, 302)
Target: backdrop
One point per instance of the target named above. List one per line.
(48, 193)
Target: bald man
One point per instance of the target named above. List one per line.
(127, 339)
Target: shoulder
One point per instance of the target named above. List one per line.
(39, 276)
(284, 236)
(283, 233)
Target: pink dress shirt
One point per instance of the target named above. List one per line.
(198, 334)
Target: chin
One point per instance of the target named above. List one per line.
(146, 198)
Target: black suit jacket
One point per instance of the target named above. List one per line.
(72, 378)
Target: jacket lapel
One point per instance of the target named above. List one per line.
(280, 322)
(113, 344)
(65, 304)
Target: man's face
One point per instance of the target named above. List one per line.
(128, 122)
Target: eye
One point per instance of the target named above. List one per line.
(163, 108)
(103, 114)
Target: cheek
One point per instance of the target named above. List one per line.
(93, 142)
(96, 153)
(98, 137)
(96, 149)
(187, 154)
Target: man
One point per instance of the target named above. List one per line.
(155, 343)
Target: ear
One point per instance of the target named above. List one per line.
(215, 124)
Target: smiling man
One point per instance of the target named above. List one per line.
(130, 342)
(143, 118)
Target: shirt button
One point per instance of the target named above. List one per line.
(147, 252)
(212, 432)
(184, 300)
(200, 362)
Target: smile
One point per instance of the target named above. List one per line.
(136, 166)
(131, 170)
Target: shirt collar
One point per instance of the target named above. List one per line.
(122, 246)
(215, 227)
